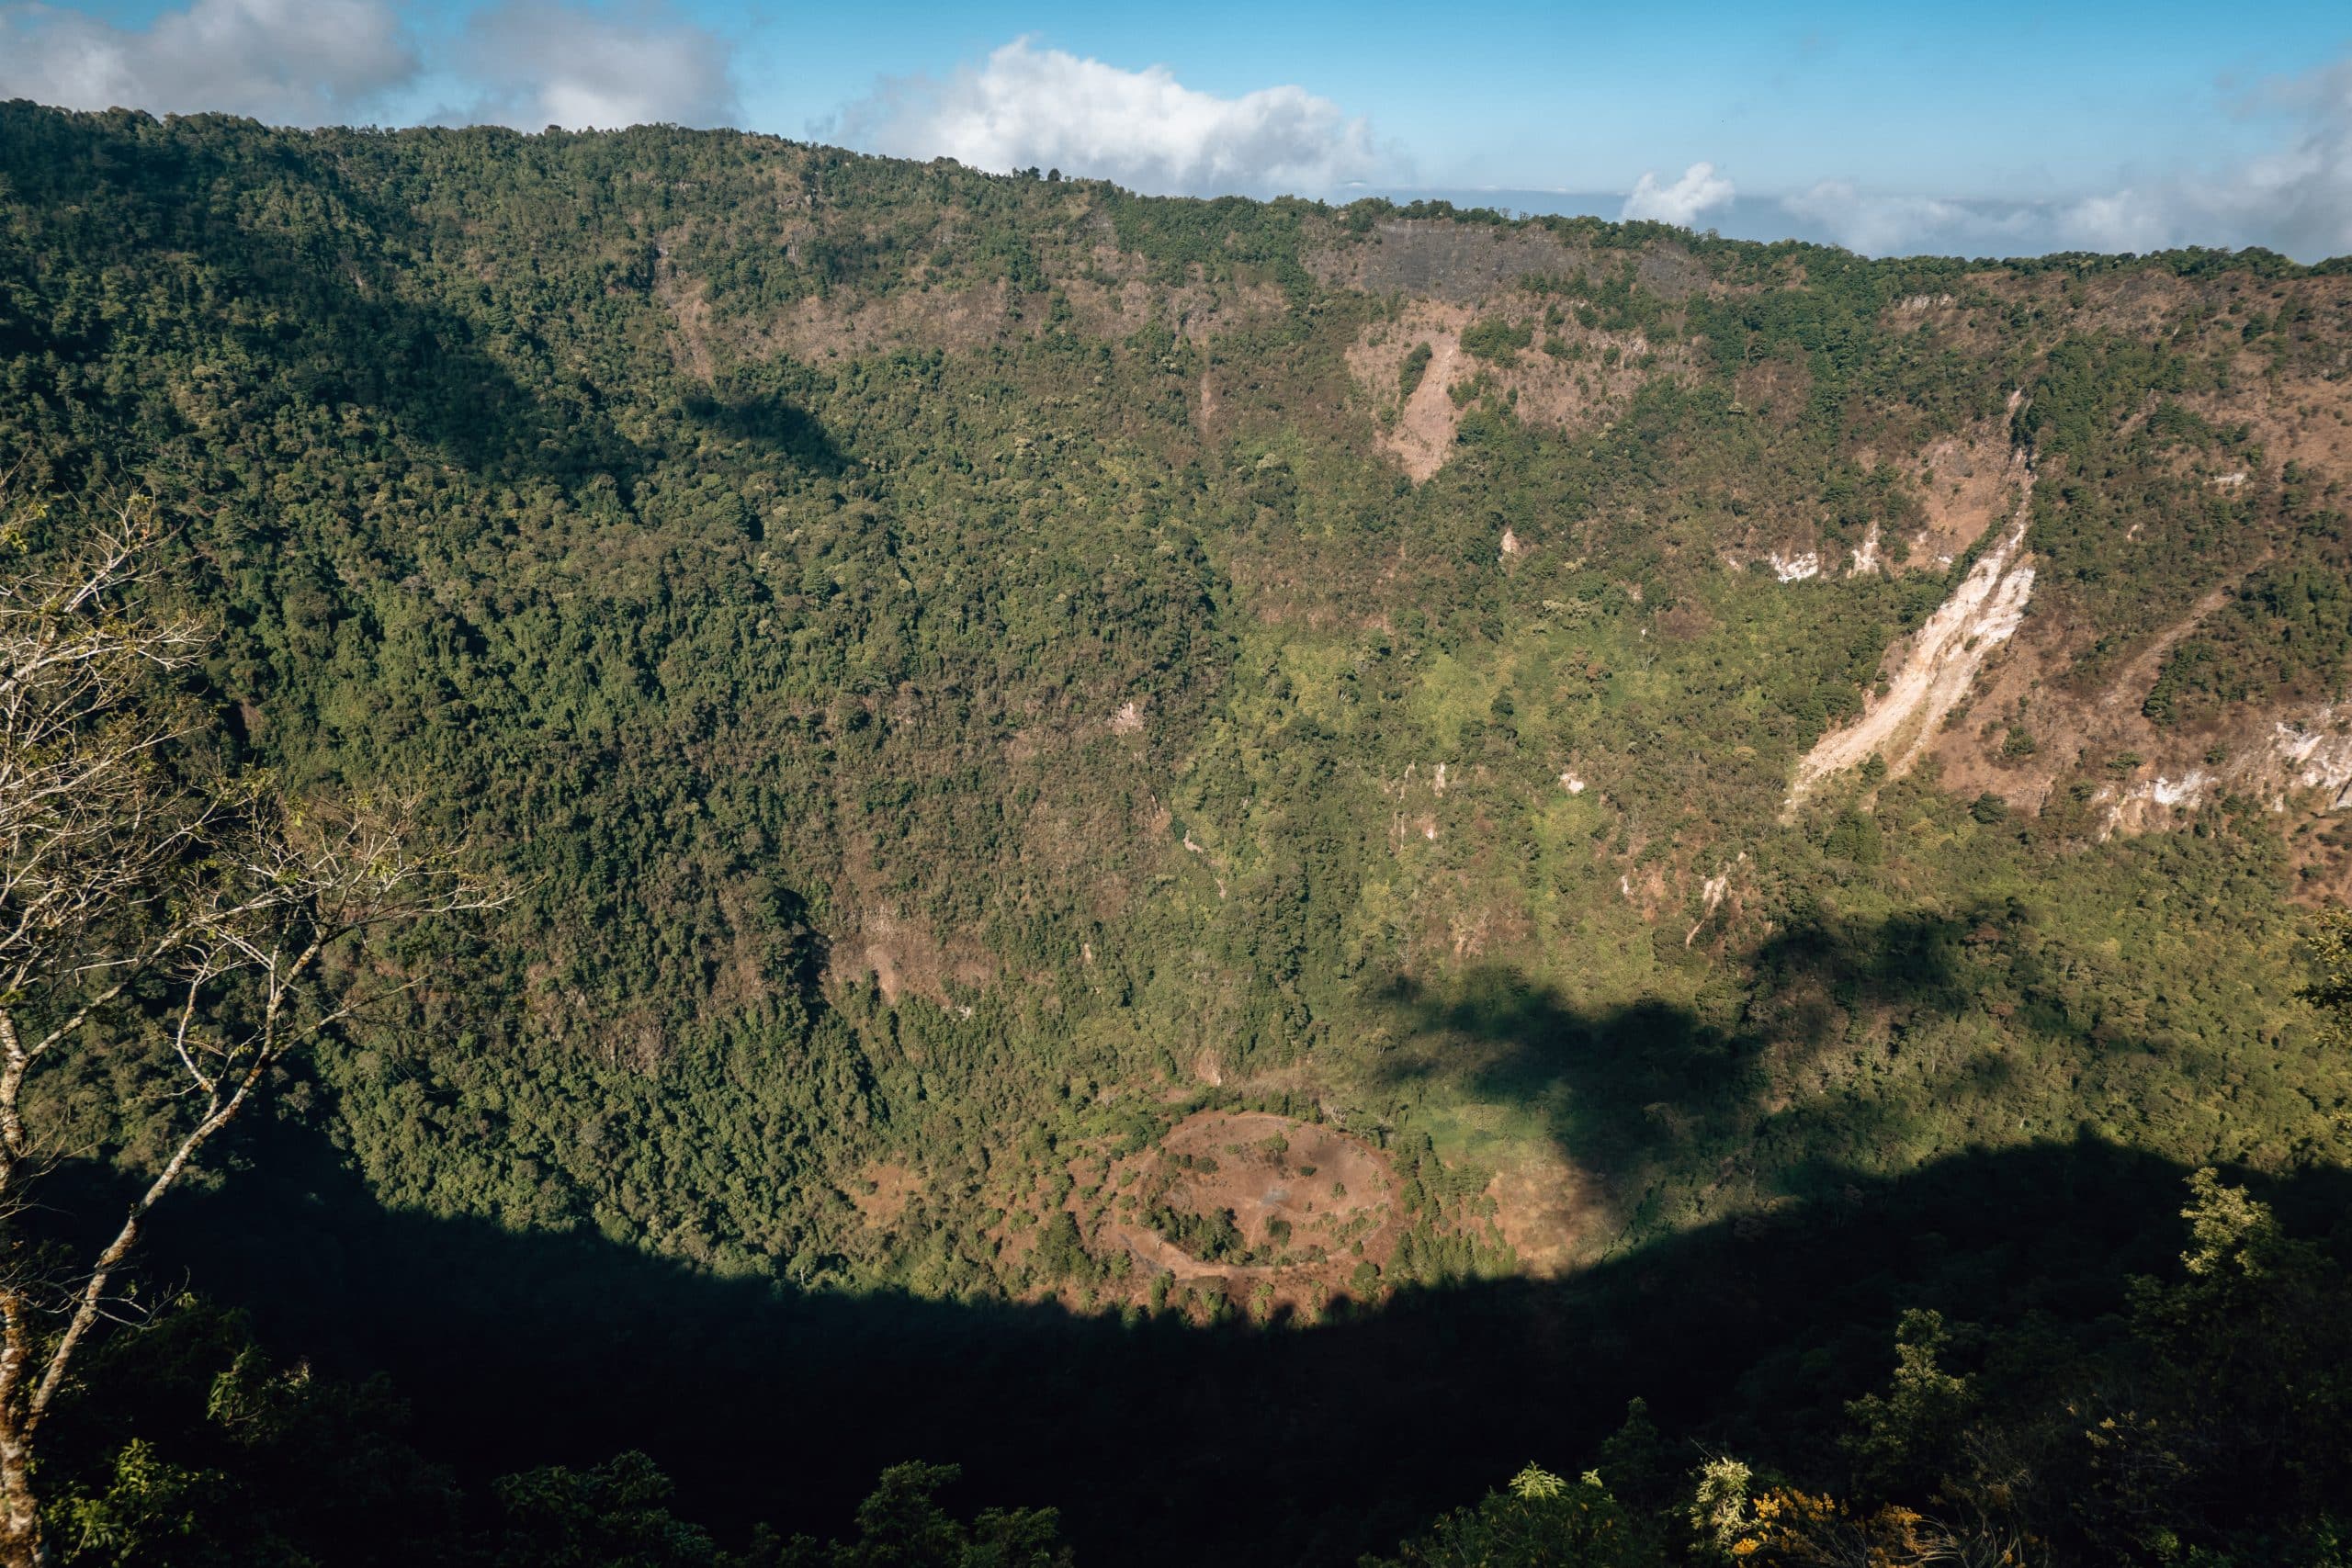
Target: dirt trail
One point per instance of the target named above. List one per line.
(2124, 693)
(1940, 663)
(2069, 724)
(1327, 1188)
(1158, 1255)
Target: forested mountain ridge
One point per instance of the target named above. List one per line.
(1011, 700)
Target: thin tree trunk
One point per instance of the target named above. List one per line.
(20, 1541)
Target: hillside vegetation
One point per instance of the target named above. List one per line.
(1234, 827)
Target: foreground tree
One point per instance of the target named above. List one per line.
(153, 908)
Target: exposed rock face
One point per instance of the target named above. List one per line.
(2309, 753)
(1938, 664)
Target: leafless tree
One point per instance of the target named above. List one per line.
(146, 906)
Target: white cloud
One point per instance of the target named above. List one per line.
(291, 62)
(1877, 223)
(524, 62)
(1026, 106)
(2122, 220)
(541, 64)
(1699, 189)
(2296, 199)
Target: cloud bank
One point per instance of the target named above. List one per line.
(290, 62)
(528, 63)
(1026, 106)
(1877, 223)
(2296, 199)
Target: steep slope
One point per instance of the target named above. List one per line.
(1933, 671)
(975, 669)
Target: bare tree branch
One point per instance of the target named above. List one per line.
(123, 871)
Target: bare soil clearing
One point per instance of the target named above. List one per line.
(1967, 490)
(1542, 1206)
(1309, 1202)
(891, 1187)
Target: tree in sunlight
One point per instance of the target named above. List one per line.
(2331, 989)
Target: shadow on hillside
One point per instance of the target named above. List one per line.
(1161, 1443)
(777, 425)
(1636, 1091)
(1165, 1443)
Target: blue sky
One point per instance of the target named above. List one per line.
(1589, 96)
(1883, 127)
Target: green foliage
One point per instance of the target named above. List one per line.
(2086, 384)
(751, 665)
(1902, 1440)
(902, 1526)
(255, 1464)
(2331, 988)
(2209, 1433)
(614, 1516)
(204, 1453)
(146, 1510)
(2149, 513)
(1855, 837)
(1061, 1253)
(1416, 365)
(1213, 1237)
(1720, 1511)
(1541, 1521)
(1497, 338)
(2284, 631)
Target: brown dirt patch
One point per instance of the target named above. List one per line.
(2023, 683)
(1968, 486)
(688, 301)
(905, 958)
(1544, 1208)
(956, 320)
(1595, 375)
(877, 936)
(1202, 315)
(2297, 758)
(1309, 1202)
(1775, 389)
(1422, 437)
(2306, 419)
(881, 1193)
(1435, 258)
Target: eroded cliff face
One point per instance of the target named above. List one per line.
(1934, 669)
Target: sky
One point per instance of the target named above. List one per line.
(1890, 129)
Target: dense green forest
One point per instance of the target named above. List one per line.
(1155, 865)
